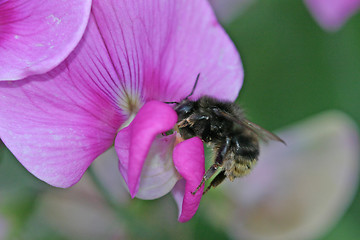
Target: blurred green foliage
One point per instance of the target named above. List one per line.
(293, 69)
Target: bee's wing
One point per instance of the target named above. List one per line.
(261, 132)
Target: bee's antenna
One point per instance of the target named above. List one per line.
(194, 87)
(192, 91)
(171, 102)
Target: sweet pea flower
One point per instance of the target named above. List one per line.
(332, 14)
(36, 36)
(110, 92)
(299, 191)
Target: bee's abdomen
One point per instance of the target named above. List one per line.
(235, 170)
(245, 147)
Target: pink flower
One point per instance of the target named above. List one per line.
(36, 36)
(133, 56)
(332, 14)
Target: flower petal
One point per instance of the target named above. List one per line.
(332, 14)
(158, 175)
(35, 36)
(178, 194)
(56, 125)
(158, 48)
(133, 142)
(189, 160)
(301, 190)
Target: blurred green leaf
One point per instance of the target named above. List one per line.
(294, 69)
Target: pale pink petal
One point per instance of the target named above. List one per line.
(178, 194)
(189, 160)
(301, 190)
(35, 36)
(133, 144)
(158, 175)
(332, 14)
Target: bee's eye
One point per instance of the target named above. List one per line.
(214, 109)
(183, 109)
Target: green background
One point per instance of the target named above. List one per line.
(294, 69)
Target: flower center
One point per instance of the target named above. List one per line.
(130, 103)
(133, 105)
(127, 122)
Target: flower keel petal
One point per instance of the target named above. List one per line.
(189, 160)
(135, 140)
(158, 175)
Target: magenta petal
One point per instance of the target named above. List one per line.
(152, 119)
(158, 47)
(189, 160)
(35, 36)
(332, 14)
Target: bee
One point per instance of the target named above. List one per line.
(222, 125)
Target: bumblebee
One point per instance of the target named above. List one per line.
(224, 127)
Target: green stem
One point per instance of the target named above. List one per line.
(102, 189)
(124, 214)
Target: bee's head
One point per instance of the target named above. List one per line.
(184, 108)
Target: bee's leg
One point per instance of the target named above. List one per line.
(209, 173)
(183, 123)
(216, 181)
(196, 117)
(222, 152)
(192, 119)
(218, 163)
